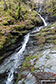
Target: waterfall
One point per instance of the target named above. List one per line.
(17, 57)
(45, 24)
(37, 29)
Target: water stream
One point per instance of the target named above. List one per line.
(16, 59)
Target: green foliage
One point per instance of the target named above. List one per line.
(17, 18)
(54, 41)
(27, 63)
(51, 7)
(2, 38)
(19, 76)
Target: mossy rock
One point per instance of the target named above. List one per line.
(46, 35)
(2, 41)
(27, 63)
(54, 41)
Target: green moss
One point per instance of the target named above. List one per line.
(50, 8)
(54, 47)
(52, 37)
(1, 24)
(10, 39)
(1, 46)
(32, 69)
(21, 26)
(45, 30)
(35, 13)
(19, 76)
(54, 15)
(1, 57)
(41, 45)
(5, 22)
(2, 41)
(54, 41)
(31, 26)
(27, 63)
(52, 31)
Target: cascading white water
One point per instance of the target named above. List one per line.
(45, 24)
(17, 57)
(39, 28)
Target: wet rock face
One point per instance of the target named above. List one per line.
(40, 66)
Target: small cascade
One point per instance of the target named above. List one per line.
(17, 57)
(45, 24)
(37, 29)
